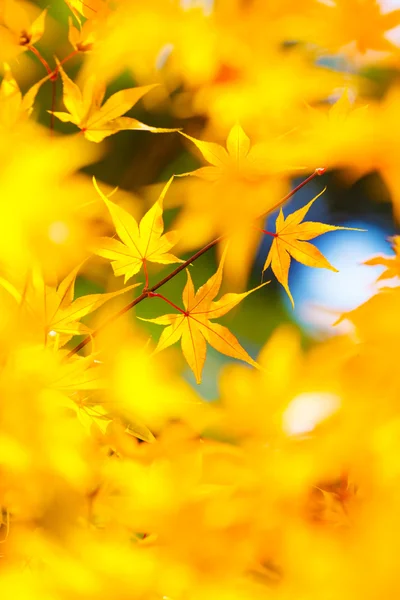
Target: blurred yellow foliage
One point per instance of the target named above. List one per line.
(117, 479)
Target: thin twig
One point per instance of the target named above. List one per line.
(317, 173)
(53, 76)
(146, 275)
(156, 295)
(44, 62)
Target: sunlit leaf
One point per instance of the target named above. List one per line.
(138, 244)
(98, 122)
(291, 241)
(193, 326)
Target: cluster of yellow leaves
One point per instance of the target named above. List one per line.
(140, 244)
(117, 480)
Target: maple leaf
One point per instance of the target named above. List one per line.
(383, 145)
(392, 263)
(363, 22)
(290, 241)
(377, 319)
(17, 30)
(78, 384)
(238, 158)
(54, 309)
(98, 122)
(77, 379)
(89, 9)
(355, 138)
(77, 373)
(335, 134)
(193, 325)
(84, 38)
(13, 106)
(138, 244)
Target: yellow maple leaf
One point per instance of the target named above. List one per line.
(337, 135)
(290, 241)
(134, 37)
(376, 320)
(57, 228)
(18, 31)
(89, 9)
(392, 263)
(239, 157)
(53, 308)
(77, 373)
(14, 107)
(82, 39)
(383, 145)
(78, 381)
(95, 121)
(138, 243)
(194, 327)
(361, 22)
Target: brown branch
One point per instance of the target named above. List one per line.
(317, 173)
(147, 292)
(53, 76)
